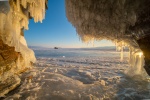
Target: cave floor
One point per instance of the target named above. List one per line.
(74, 82)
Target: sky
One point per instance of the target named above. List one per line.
(56, 30)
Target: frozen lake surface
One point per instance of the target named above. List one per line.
(80, 74)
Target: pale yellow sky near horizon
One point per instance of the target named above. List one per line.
(101, 43)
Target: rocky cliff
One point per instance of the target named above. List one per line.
(15, 56)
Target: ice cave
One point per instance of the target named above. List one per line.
(124, 22)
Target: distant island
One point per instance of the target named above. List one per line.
(55, 47)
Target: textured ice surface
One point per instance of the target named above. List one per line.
(84, 77)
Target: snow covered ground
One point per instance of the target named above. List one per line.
(80, 75)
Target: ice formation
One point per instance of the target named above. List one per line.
(84, 77)
(16, 20)
(112, 20)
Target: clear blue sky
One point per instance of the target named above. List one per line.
(56, 30)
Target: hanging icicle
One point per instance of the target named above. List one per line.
(121, 58)
(16, 20)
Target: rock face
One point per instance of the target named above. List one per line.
(7, 54)
(8, 68)
(121, 21)
(144, 44)
(15, 56)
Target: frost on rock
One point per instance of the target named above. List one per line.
(15, 20)
(98, 18)
(111, 20)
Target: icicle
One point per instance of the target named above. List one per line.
(37, 10)
(92, 42)
(119, 47)
(129, 54)
(121, 53)
(137, 62)
(24, 3)
(18, 5)
(16, 20)
(116, 46)
(140, 62)
(2, 22)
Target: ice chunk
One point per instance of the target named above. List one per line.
(102, 82)
(56, 70)
(88, 73)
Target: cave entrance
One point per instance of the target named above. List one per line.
(75, 68)
(89, 70)
(86, 65)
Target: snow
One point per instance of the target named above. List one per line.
(86, 78)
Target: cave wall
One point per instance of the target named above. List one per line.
(121, 21)
(15, 56)
(144, 44)
(11, 62)
(9, 68)
(142, 28)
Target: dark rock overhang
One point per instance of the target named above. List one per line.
(109, 19)
(121, 21)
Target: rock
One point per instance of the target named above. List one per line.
(8, 85)
(8, 58)
(1, 59)
(144, 44)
